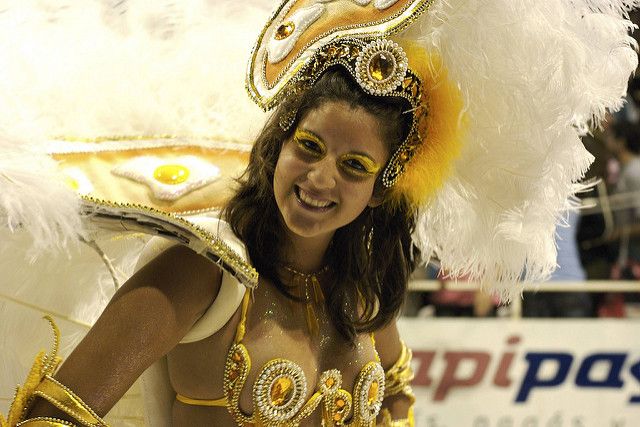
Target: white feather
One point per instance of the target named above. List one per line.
(533, 74)
(97, 68)
(34, 196)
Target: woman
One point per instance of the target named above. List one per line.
(368, 133)
(307, 209)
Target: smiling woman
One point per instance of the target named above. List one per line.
(332, 156)
(397, 125)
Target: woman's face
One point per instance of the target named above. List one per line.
(326, 172)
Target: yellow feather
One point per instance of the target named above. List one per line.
(442, 130)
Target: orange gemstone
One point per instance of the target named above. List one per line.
(337, 417)
(329, 382)
(285, 30)
(281, 391)
(381, 66)
(237, 357)
(340, 403)
(372, 396)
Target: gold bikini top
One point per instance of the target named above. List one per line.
(281, 387)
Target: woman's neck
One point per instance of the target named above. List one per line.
(306, 254)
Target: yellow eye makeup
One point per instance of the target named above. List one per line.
(309, 143)
(354, 164)
(359, 164)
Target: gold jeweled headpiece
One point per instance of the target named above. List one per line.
(305, 38)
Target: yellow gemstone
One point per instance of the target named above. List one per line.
(285, 30)
(381, 66)
(73, 183)
(372, 396)
(171, 174)
(281, 391)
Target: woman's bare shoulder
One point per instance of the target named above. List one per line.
(183, 275)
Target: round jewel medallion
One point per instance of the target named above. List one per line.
(330, 381)
(280, 390)
(371, 392)
(381, 67)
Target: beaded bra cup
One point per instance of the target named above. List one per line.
(279, 392)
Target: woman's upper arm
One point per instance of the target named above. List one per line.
(145, 319)
(395, 360)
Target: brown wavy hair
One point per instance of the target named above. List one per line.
(371, 258)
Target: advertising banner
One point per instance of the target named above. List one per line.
(525, 373)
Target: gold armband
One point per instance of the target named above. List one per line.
(387, 421)
(40, 383)
(398, 377)
(398, 381)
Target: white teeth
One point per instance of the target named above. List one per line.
(310, 201)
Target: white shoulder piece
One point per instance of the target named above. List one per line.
(231, 291)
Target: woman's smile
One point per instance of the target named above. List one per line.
(312, 202)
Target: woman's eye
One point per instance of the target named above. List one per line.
(359, 165)
(355, 164)
(309, 146)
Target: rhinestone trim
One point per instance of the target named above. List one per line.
(134, 217)
(371, 373)
(236, 370)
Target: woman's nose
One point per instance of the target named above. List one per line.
(323, 173)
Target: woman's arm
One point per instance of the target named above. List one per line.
(145, 319)
(397, 406)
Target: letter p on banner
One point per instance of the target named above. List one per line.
(532, 379)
